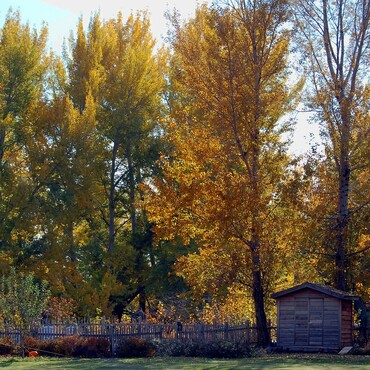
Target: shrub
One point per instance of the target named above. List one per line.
(45, 348)
(22, 299)
(226, 349)
(73, 346)
(96, 347)
(31, 344)
(136, 347)
(364, 350)
(69, 346)
(7, 346)
(216, 348)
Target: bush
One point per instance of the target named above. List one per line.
(226, 349)
(72, 346)
(96, 347)
(136, 347)
(363, 351)
(199, 348)
(69, 346)
(76, 346)
(7, 347)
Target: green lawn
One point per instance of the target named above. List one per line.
(302, 362)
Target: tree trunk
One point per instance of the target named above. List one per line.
(263, 337)
(134, 231)
(343, 211)
(3, 131)
(142, 300)
(2, 144)
(131, 174)
(71, 241)
(112, 203)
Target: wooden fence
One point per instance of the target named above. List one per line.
(118, 332)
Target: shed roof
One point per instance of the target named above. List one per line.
(326, 289)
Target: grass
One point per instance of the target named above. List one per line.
(282, 361)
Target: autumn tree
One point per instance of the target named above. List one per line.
(22, 68)
(59, 146)
(23, 63)
(49, 179)
(334, 40)
(22, 300)
(115, 61)
(221, 183)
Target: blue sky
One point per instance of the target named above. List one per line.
(36, 12)
(62, 16)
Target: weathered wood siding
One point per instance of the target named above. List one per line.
(309, 320)
(347, 324)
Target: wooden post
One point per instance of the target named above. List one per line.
(111, 338)
(178, 328)
(139, 328)
(226, 331)
(202, 331)
(269, 327)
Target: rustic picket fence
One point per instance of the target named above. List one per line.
(116, 333)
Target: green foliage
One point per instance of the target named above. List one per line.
(22, 299)
(21, 64)
(115, 61)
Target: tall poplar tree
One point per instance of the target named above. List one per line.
(116, 62)
(334, 38)
(220, 185)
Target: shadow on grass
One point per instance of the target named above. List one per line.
(181, 363)
(8, 362)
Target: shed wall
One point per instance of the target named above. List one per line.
(308, 319)
(347, 324)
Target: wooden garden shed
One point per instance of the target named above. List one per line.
(314, 317)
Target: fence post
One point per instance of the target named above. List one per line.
(178, 328)
(248, 331)
(202, 331)
(161, 332)
(226, 330)
(139, 329)
(111, 339)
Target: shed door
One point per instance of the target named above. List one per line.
(308, 323)
(301, 322)
(315, 324)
